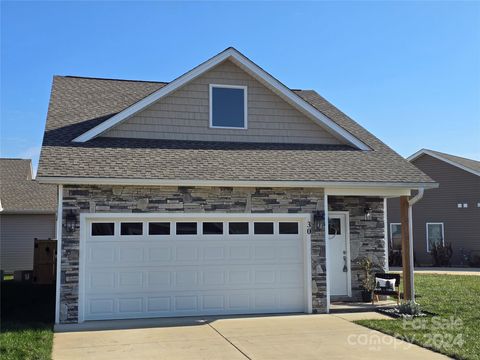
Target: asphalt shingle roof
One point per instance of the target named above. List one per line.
(19, 193)
(79, 104)
(468, 163)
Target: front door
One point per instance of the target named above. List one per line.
(339, 254)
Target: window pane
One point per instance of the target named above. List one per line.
(159, 228)
(132, 228)
(228, 107)
(103, 229)
(238, 228)
(435, 235)
(334, 227)
(396, 236)
(263, 228)
(212, 228)
(186, 228)
(288, 228)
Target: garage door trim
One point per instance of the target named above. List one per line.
(303, 219)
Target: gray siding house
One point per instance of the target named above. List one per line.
(449, 214)
(27, 211)
(221, 192)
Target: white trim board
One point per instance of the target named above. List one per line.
(327, 248)
(248, 66)
(441, 158)
(334, 186)
(59, 253)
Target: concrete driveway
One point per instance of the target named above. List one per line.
(254, 338)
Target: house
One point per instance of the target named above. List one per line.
(211, 195)
(27, 211)
(447, 215)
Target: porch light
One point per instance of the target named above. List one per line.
(368, 213)
(71, 221)
(318, 220)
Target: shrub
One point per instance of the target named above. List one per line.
(442, 254)
(410, 308)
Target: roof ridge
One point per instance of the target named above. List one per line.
(134, 80)
(7, 158)
(457, 156)
(110, 79)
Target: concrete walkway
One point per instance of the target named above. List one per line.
(255, 338)
(442, 271)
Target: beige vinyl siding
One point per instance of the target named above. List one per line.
(184, 115)
(17, 233)
(461, 226)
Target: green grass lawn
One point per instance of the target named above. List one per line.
(26, 328)
(455, 331)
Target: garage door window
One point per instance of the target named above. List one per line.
(159, 228)
(288, 228)
(263, 228)
(238, 228)
(212, 228)
(186, 228)
(103, 229)
(131, 228)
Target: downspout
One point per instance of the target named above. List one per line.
(412, 202)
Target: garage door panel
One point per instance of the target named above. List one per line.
(159, 304)
(170, 275)
(99, 254)
(101, 306)
(213, 302)
(159, 254)
(130, 280)
(186, 254)
(186, 303)
(130, 254)
(159, 279)
(186, 279)
(130, 305)
(214, 277)
(214, 253)
(101, 281)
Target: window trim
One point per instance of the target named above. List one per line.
(245, 106)
(426, 233)
(391, 232)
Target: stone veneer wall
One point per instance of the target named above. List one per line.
(133, 199)
(366, 236)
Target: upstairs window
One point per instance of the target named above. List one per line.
(228, 106)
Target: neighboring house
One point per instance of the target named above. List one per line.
(27, 211)
(447, 215)
(210, 195)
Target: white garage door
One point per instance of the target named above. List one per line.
(154, 267)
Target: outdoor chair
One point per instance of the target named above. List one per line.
(384, 286)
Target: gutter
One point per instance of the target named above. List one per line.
(412, 202)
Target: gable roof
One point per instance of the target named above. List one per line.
(469, 165)
(248, 66)
(79, 104)
(19, 193)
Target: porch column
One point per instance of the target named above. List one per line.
(407, 290)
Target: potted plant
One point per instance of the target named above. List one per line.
(368, 282)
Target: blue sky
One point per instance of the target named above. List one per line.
(407, 71)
